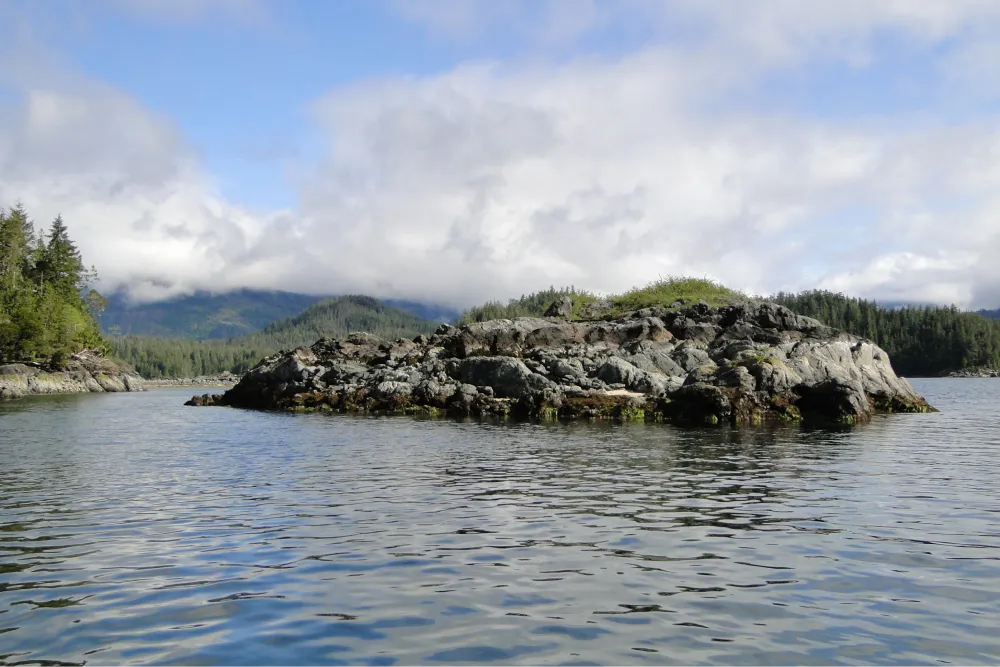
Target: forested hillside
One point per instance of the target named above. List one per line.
(203, 315)
(43, 311)
(162, 357)
(921, 341)
(992, 314)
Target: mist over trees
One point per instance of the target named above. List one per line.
(47, 309)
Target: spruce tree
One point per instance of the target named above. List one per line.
(61, 264)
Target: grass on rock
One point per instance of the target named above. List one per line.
(586, 305)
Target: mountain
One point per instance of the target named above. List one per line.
(157, 357)
(203, 315)
(206, 316)
(992, 314)
(335, 318)
(427, 311)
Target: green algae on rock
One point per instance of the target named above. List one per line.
(743, 363)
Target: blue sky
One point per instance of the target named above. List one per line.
(461, 150)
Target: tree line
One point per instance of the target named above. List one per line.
(47, 310)
(920, 340)
(166, 357)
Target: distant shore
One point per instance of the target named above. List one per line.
(975, 373)
(221, 380)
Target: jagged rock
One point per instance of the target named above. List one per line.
(508, 377)
(562, 307)
(744, 363)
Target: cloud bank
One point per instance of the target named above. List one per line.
(601, 170)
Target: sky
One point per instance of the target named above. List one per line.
(454, 151)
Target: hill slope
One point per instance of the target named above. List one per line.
(336, 318)
(203, 315)
(172, 357)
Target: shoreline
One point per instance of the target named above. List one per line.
(222, 381)
(82, 373)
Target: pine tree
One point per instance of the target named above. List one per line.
(16, 235)
(60, 263)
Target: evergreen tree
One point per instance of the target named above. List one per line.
(60, 263)
(16, 235)
(42, 311)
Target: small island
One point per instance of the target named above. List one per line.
(735, 362)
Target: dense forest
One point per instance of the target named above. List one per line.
(47, 310)
(921, 340)
(165, 357)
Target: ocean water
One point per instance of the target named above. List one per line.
(136, 530)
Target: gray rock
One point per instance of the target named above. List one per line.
(695, 364)
(562, 307)
(393, 388)
(508, 377)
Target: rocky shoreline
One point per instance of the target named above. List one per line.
(975, 373)
(220, 380)
(745, 363)
(84, 372)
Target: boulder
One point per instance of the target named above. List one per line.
(562, 307)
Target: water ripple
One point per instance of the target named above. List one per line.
(135, 530)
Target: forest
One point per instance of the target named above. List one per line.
(47, 309)
(920, 340)
(166, 357)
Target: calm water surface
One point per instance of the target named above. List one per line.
(135, 530)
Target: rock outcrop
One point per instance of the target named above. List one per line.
(82, 373)
(743, 364)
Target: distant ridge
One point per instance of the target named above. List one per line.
(208, 316)
(202, 315)
(156, 357)
(335, 318)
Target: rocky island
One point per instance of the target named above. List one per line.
(741, 363)
(81, 373)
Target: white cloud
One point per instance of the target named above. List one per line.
(130, 191)
(487, 181)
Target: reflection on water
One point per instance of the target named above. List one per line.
(135, 530)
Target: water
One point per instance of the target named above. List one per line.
(135, 530)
